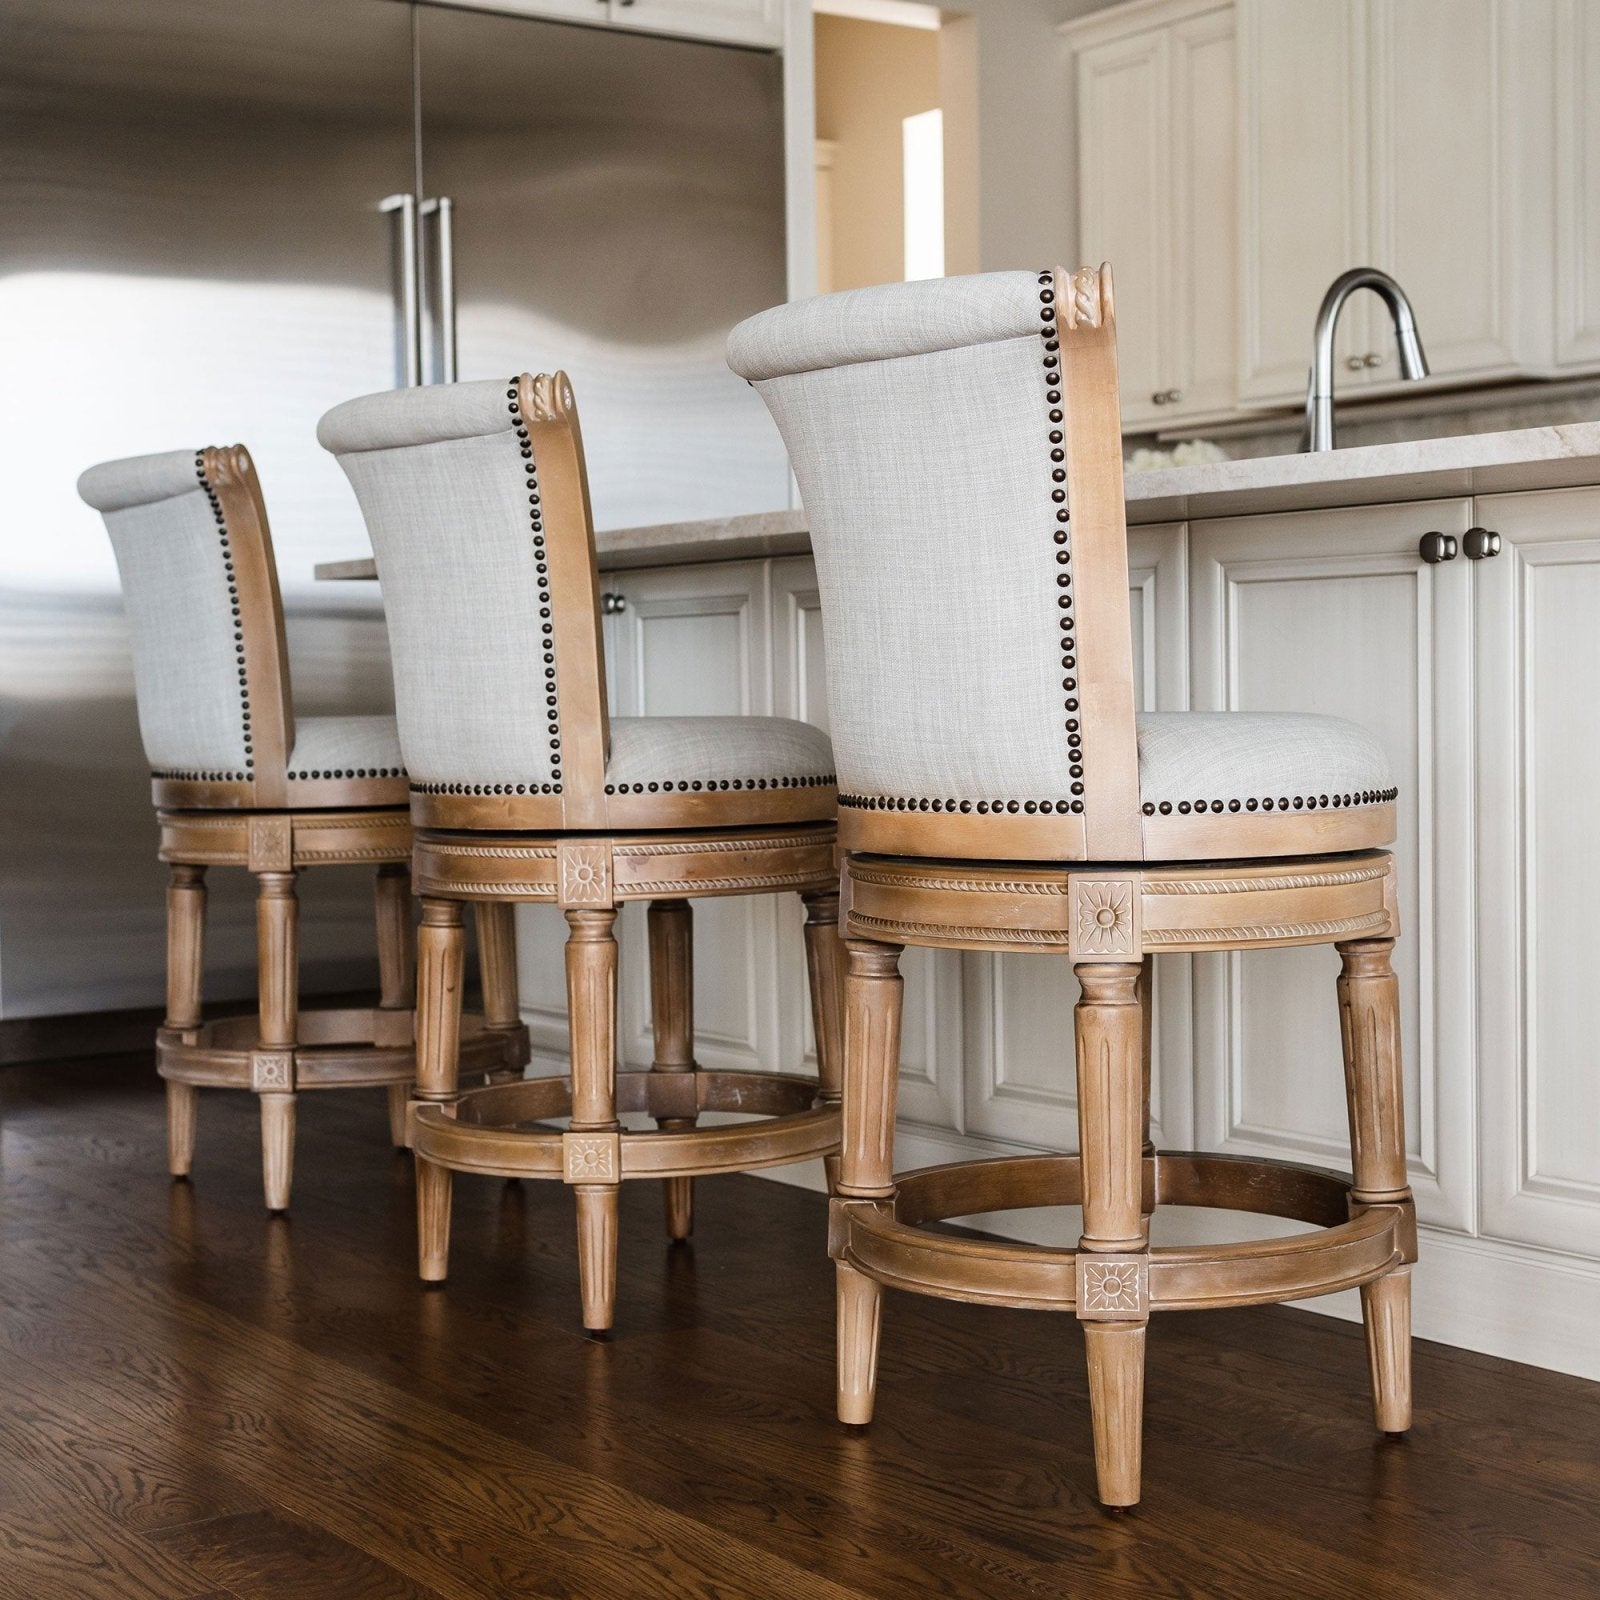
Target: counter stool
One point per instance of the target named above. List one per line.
(523, 789)
(958, 447)
(239, 781)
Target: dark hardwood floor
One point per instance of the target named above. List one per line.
(198, 1401)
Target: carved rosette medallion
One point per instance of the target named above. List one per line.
(1113, 1288)
(585, 874)
(271, 1070)
(591, 1157)
(1105, 918)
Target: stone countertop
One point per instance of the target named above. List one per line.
(1420, 469)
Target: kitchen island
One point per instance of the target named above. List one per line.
(1445, 593)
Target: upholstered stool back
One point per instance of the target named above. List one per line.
(210, 670)
(477, 503)
(958, 450)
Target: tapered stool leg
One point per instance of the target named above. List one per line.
(186, 918)
(497, 963)
(440, 959)
(825, 971)
(397, 969)
(872, 1003)
(671, 924)
(1113, 1254)
(593, 1159)
(278, 996)
(1369, 1017)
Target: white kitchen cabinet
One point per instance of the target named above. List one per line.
(1334, 612)
(749, 22)
(1302, 215)
(1020, 1078)
(1538, 682)
(1409, 135)
(1156, 199)
(1577, 167)
(752, 22)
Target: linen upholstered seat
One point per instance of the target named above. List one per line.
(239, 781)
(524, 788)
(958, 446)
(366, 747)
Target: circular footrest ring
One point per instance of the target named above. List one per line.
(503, 1131)
(335, 1048)
(889, 1240)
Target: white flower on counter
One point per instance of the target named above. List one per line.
(1190, 453)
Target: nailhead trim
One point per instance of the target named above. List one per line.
(1306, 802)
(900, 802)
(546, 625)
(354, 772)
(681, 784)
(238, 621)
(1050, 334)
(172, 775)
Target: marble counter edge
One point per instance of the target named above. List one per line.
(1563, 456)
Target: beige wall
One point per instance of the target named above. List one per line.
(870, 77)
(1001, 75)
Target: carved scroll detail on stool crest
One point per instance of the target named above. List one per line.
(1082, 309)
(1113, 1287)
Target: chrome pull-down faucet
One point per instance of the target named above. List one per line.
(1319, 391)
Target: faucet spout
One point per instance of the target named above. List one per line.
(1319, 390)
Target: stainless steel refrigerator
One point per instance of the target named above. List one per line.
(219, 218)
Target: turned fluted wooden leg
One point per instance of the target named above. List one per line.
(497, 964)
(1146, 993)
(397, 969)
(825, 970)
(872, 1001)
(186, 921)
(593, 1159)
(278, 996)
(440, 959)
(1369, 1018)
(1113, 1254)
(671, 924)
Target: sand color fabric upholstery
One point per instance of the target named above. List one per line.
(1246, 761)
(717, 752)
(440, 477)
(916, 417)
(339, 747)
(928, 425)
(174, 563)
(467, 537)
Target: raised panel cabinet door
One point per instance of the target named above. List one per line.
(1538, 682)
(930, 1027)
(1125, 212)
(1334, 612)
(1303, 186)
(753, 22)
(1577, 154)
(1202, 224)
(1021, 1084)
(1456, 164)
(688, 641)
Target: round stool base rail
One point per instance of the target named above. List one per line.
(1354, 1244)
(335, 1048)
(497, 1131)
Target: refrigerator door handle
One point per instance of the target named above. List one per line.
(444, 209)
(404, 206)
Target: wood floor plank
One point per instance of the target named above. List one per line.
(696, 1454)
(262, 1555)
